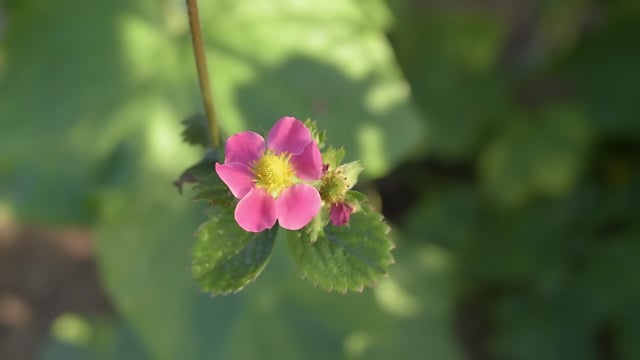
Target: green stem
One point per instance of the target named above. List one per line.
(203, 74)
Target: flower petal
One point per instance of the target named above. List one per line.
(340, 213)
(256, 211)
(297, 205)
(288, 134)
(244, 147)
(308, 165)
(237, 176)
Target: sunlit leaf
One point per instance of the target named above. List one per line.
(329, 61)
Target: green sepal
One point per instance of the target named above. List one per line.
(317, 224)
(333, 157)
(225, 257)
(344, 257)
(196, 131)
(350, 171)
(318, 136)
(355, 199)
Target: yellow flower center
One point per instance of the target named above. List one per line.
(274, 172)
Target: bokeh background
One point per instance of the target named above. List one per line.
(501, 142)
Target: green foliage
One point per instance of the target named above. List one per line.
(101, 96)
(603, 68)
(326, 61)
(225, 257)
(516, 218)
(536, 157)
(450, 59)
(106, 339)
(343, 258)
(531, 178)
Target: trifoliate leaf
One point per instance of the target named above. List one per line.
(344, 257)
(196, 131)
(225, 257)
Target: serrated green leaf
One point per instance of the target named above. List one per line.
(225, 257)
(208, 185)
(196, 131)
(214, 194)
(344, 257)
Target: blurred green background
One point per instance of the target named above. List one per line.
(501, 141)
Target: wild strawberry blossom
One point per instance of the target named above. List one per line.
(283, 180)
(271, 178)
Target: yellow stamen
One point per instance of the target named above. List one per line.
(274, 172)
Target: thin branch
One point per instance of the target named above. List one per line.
(203, 74)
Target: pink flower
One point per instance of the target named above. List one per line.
(268, 178)
(340, 213)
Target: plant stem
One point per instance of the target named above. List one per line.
(203, 74)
